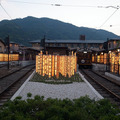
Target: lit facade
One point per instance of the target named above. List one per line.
(52, 65)
(111, 59)
(12, 57)
(113, 44)
(14, 47)
(115, 62)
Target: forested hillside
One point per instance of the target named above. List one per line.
(30, 28)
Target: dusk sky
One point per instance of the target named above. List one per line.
(99, 14)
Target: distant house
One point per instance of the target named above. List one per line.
(113, 44)
(14, 47)
(2, 46)
(21, 46)
(57, 50)
(81, 44)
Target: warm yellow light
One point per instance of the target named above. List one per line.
(105, 58)
(93, 58)
(98, 58)
(118, 50)
(101, 58)
(54, 64)
(12, 57)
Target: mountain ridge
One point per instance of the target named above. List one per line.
(23, 30)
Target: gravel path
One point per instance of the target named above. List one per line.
(61, 91)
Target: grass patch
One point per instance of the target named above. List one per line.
(53, 80)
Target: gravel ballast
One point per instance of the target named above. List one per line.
(61, 91)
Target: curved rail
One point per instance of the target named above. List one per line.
(9, 84)
(3, 65)
(112, 88)
(108, 78)
(14, 71)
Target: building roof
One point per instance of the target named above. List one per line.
(21, 45)
(114, 39)
(31, 48)
(69, 41)
(11, 42)
(98, 50)
(2, 41)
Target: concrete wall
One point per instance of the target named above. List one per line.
(24, 63)
(99, 67)
(112, 76)
(21, 63)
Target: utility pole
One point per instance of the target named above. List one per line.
(8, 44)
(43, 44)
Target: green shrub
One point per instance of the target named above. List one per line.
(56, 109)
(53, 80)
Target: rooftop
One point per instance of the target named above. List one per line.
(114, 39)
(2, 41)
(69, 41)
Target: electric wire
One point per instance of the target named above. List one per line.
(24, 2)
(58, 5)
(5, 11)
(109, 17)
(37, 3)
(50, 4)
(17, 26)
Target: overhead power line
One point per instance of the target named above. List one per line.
(60, 5)
(12, 19)
(30, 2)
(110, 16)
(5, 11)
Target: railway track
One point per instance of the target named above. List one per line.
(10, 83)
(106, 87)
(5, 71)
(2, 65)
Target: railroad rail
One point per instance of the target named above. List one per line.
(10, 83)
(106, 87)
(14, 71)
(2, 65)
(5, 71)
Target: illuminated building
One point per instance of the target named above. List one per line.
(112, 58)
(12, 57)
(105, 57)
